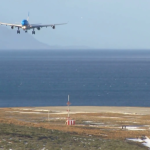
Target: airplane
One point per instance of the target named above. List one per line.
(25, 25)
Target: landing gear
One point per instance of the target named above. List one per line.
(26, 31)
(18, 31)
(33, 32)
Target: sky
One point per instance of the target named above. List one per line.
(100, 24)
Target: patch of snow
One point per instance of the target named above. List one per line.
(97, 123)
(135, 140)
(41, 110)
(87, 121)
(128, 113)
(145, 141)
(133, 128)
(25, 109)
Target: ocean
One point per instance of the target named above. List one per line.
(90, 77)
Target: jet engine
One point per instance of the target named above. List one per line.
(12, 27)
(38, 28)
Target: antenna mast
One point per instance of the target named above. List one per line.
(68, 103)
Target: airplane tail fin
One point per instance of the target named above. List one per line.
(28, 16)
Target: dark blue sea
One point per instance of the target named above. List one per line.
(90, 77)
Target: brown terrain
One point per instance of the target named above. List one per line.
(105, 122)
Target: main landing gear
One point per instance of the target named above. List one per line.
(33, 32)
(26, 31)
(18, 31)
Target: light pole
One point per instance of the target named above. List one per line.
(48, 115)
(68, 103)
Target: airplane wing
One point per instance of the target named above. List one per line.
(46, 25)
(8, 24)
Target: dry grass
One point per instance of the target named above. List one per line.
(110, 128)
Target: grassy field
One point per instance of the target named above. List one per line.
(29, 129)
(18, 137)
